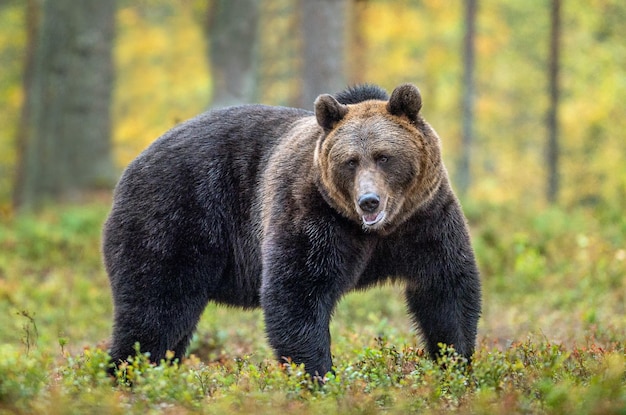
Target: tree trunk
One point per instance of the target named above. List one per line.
(65, 141)
(278, 73)
(469, 94)
(33, 23)
(357, 49)
(552, 153)
(232, 32)
(323, 48)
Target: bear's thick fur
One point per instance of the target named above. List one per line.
(289, 210)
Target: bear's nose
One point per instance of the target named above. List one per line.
(369, 202)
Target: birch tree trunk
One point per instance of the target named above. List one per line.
(324, 35)
(464, 178)
(552, 148)
(232, 30)
(65, 134)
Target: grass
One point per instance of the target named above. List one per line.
(551, 340)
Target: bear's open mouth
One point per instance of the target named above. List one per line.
(373, 218)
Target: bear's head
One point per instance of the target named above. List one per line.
(378, 161)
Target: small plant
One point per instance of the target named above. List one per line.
(29, 328)
(62, 343)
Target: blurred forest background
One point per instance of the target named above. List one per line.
(528, 96)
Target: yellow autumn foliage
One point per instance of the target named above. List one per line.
(12, 41)
(162, 78)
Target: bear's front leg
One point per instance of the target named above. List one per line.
(447, 314)
(303, 278)
(297, 315)
(445, 300)
(443, 286)
(300, 336)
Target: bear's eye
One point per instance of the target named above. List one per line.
(352, 163)
(382, 159)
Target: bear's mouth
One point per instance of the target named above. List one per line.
(373, 218)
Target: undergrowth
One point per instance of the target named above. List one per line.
(552, 336)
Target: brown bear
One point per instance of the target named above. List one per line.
(289, 210)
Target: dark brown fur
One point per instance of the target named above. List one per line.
(289, 210)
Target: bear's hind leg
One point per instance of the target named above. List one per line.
(156, 327)
(161, 313)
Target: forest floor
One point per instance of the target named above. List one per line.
(552, 337)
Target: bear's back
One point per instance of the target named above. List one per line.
(219, 151)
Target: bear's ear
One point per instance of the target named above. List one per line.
(405, 100)
(328, 111)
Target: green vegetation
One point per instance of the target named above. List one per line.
(551, 338)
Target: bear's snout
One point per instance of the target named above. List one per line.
(372, 209)
(370, 198)
(369, 202)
